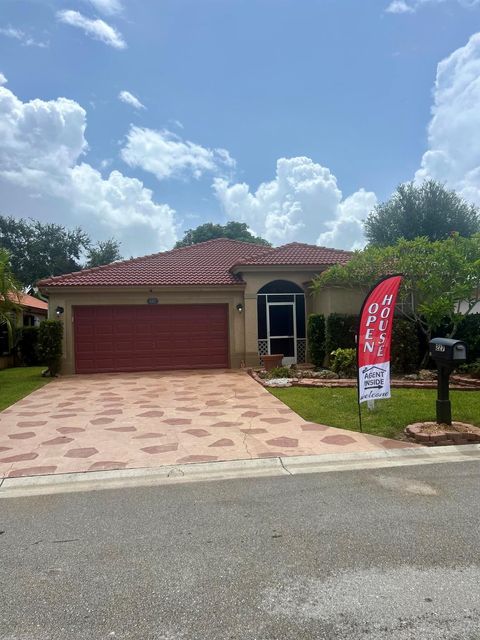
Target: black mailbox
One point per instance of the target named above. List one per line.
(448, 354)
(448, 351)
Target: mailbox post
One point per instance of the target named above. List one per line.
(447, 354)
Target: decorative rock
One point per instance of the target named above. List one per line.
(278, 382)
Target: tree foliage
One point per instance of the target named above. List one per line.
(9, 296)
(427, 210)
(441, 279)
(39, 250)
(103, 253)
(209, 231)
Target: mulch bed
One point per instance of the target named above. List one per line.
(458, 383)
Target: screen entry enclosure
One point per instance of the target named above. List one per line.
(281, 321)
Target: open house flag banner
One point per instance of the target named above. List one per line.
(374, 339)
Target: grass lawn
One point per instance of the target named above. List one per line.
(338, 408)
(18, 382)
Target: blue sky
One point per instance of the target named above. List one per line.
(294, 116)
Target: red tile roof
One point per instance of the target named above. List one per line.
(33, 303)
(298, 253)
(25, 300)
(206, 263)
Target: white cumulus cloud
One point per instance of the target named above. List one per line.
(303, 203)
(453, 154)
(97, 29)
(3, 79)
(410, 6)
(399, 6)
(107, 7)
(346, 229)
(165, 155)
(42, 175)
(129, 98)
(22, 37)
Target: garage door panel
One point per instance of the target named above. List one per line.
(145, 338)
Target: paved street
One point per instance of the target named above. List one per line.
(367, 554)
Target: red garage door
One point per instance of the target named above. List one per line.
(150, 338)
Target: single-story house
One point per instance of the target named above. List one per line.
(31, 312)
(217, 304)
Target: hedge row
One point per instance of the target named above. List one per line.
(41, 345)
(316, 338)
(338, 331)
(28, 345)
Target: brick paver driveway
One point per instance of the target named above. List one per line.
(119, 421)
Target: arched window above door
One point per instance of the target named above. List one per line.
(281, 286)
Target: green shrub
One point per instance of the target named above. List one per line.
(316, 338)
(473, 369)
(280, 372)
(469, 331)
(405, 355)
(28, 345)
(344, 362)
(50, 336)
(340, 330)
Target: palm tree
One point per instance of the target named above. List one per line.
(10, 291)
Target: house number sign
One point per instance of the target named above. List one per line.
(152, 300)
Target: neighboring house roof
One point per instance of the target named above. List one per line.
(33, 303)
(204, 264)
(29, 302)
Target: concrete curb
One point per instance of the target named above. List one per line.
(233, 469)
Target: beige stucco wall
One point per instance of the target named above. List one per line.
(203, 295)
(337, 300)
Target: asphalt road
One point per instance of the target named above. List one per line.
(371, 554)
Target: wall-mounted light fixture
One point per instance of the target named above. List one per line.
(239, 307)
(59, 311)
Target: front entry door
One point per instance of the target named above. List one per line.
(281, 330)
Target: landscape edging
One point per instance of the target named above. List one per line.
(459, 383)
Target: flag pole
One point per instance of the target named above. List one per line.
(360, 416)
(358, 388)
